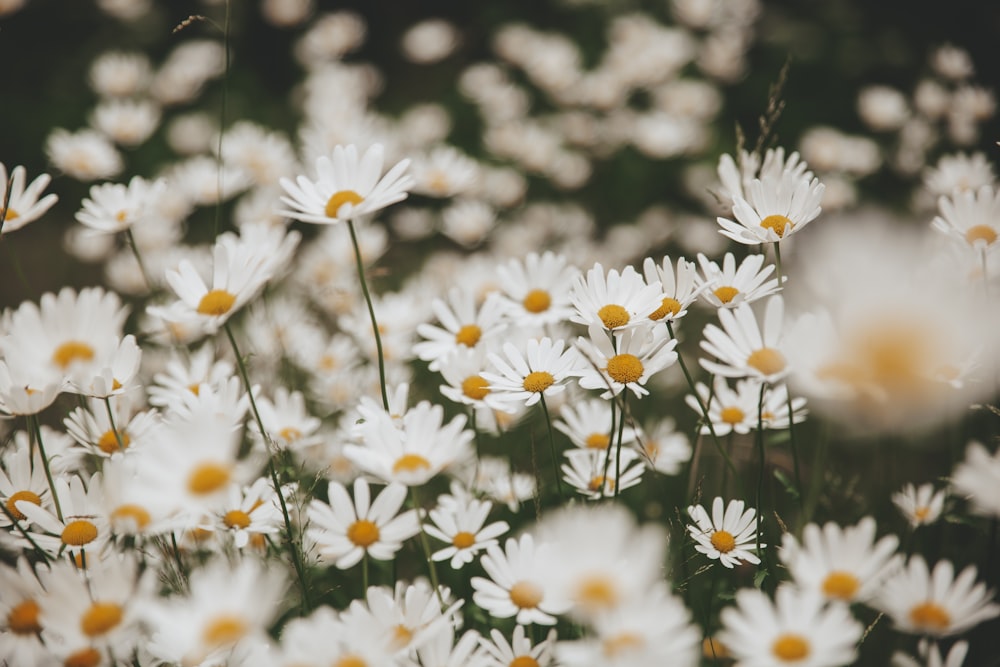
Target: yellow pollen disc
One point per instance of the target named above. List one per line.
(767, 360)
(363, 533)
(236, 519)
(475, 387)
(26, 496)
(290, 434)
(538, 381)
(725, 294)
(930, 616)
(921, 513)
(401, 636)
(134, 514)
(70, 351)
(223, 630)
(115, 385)
(777, 224)
(723, 541)
(11, 214)
(598, 441)
(621, 643)
(625, 368)
(841, 585)
(207, 478)
(713, 648)
(463, 540)
(731, 415)
(100, 618)
(596, 592)
(537, 301)
(87, 657)
(669, 306)
(258, 541)
(121, 215)
(350, 661)
(194, 388)
(598, 481)
(981, 233)
(410, 463)
(523, 661)
(22, 619)
(525, 595)
(468, 335)
(338, 199)
(78, 533)
(790, 647)
(108, 443)
(216, 302)
(613, 316)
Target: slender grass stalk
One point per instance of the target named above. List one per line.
(788, 394)
(425, 545)
(618, 444)
(759, 440)
(364, 572)
(130, 238)
(35, 429)
(223, 113)
(293, 550)
(611, 437)
(14, 521)
(371, 313)
(552, 448)
(111, 420)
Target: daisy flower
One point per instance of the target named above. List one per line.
(462, 370)
(444, 172)
(286, 421)
(614, 301)
(744, 348)
(798, 628)
(735, 410)
(114, 207)
(628, 362)
(840, 563)
(920, 505)
(184, 375)
(126, 122)
(443, 651)
(92, 428)
(536, 291)
(595, 474)
(85, 155)
(731, 285)
(463, 325)
(936, 603)
(460, 524)
(663, 448)
(495, 479)
(21, 622)
(514, 587)
(541, 369)
(726, 536)
(21, 481)
(519, 650)
(80, 522)
(773, 208)
(23, 205)
(680, 289)
(588, 424)
(346, 187)
(930, 656)
(347, 530)
(252, 512)
(27, 391)
(971, 217)
(978, 479)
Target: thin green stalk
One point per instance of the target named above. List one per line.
(138, 258)
(777, 265)
(223, 112)
(552, 449)
(759, 439)
(371, 313)
(272, 470)
(364, 574)
(17, 522)
(111, 420)
(611, 436)
(425, 545)
(795, 449)
(36, 429)
(618, 450)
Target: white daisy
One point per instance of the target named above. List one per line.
(629, 361)
(773, 208)
(978, 479)
(588, 424)
(126, 122)
(251, 513)
(519, 651)
(971, 217)
(462, 370)
(20, 615)
(936, 603)
(92, 427)
(920, 505)
(541, 369)
(286, 421)
(536, 291)
(601, 474)
(615, 301)
(739, 409)
(79, 523)
(679, 290)
(114, 207)
(729, 286)
(514, 587)
(85, 155)
(21, 481)
(463, 324)
(744, 349)
(444, 172)
(663, 448)
(23, 203)
(798, 628)
(346, 187)
(461, 526)
(726, 536)
(930, 656)
(347, 530)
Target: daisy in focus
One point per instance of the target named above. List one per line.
(743, 347)
(730, 285)
(541, 369)
(680, 289)
(625, 363)
(460, 524)
(774, 208)
(615, 301)
(727, 535)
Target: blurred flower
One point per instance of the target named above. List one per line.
(882, 108)
(23, 204)
(930, 655)
(461, 525)
(514, 587)
(978, 479)
(429, 41)
(85, 155)
(114, 207)
(920, 505)
(598, 474)
(500, 653)
(971, 217)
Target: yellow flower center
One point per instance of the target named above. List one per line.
(86, 657)
(401, 636)
(363, 533)
(725, 294)
(596, 592)
(290, 434)
(216, 302)
(338, 199)
(70, 351)
(767, 360)
(723, 541)
(11, 214)
(100, 618)
(713, 648)
(841, 585)
(350, 661)
(777, 224)
(78, 533)
(131, 514)
(981, 233)
(536, 301)
(525, 595)
(669, 306)
(27, 496)
(410, 463)
(468, 335)
(732, 415)
(538, 381)
(121, 215)
(598, 481)
(463, 540)
(613, 316)
(223, 630)
(625, 368)
(236, 519)
(475, 387)
(598, 441)
(930, 616)
(621, 643)
(22, 619)
(108, 443)
(921, 514)
(790, 647)
(207, 478)
(523, 661)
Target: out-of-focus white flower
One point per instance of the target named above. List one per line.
(120, 73)
(85, 155)
(429, 41)
(952, 62)
(920, 505)
(978, 479)
(23, 203)
(127, 122)
(883, 108)
(115, 207)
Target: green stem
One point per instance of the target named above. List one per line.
(371, 313)
(14, 521)
(552, 449)
(795, 449)
(425, 545)
(364, 574)
(759, 440)
(777, 264)
(223, 112)
(618, 450)
(272, 470)
(111, 420)
(611, 437)
(37, 430)
(138, 258)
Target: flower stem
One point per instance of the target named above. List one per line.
(111, 420)
(36, 429)
(425, 545)
(293, 551)
(618, 450)
(371, 313)
(552, 448)
(795, 449)
(759, 440)
(138, 258)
